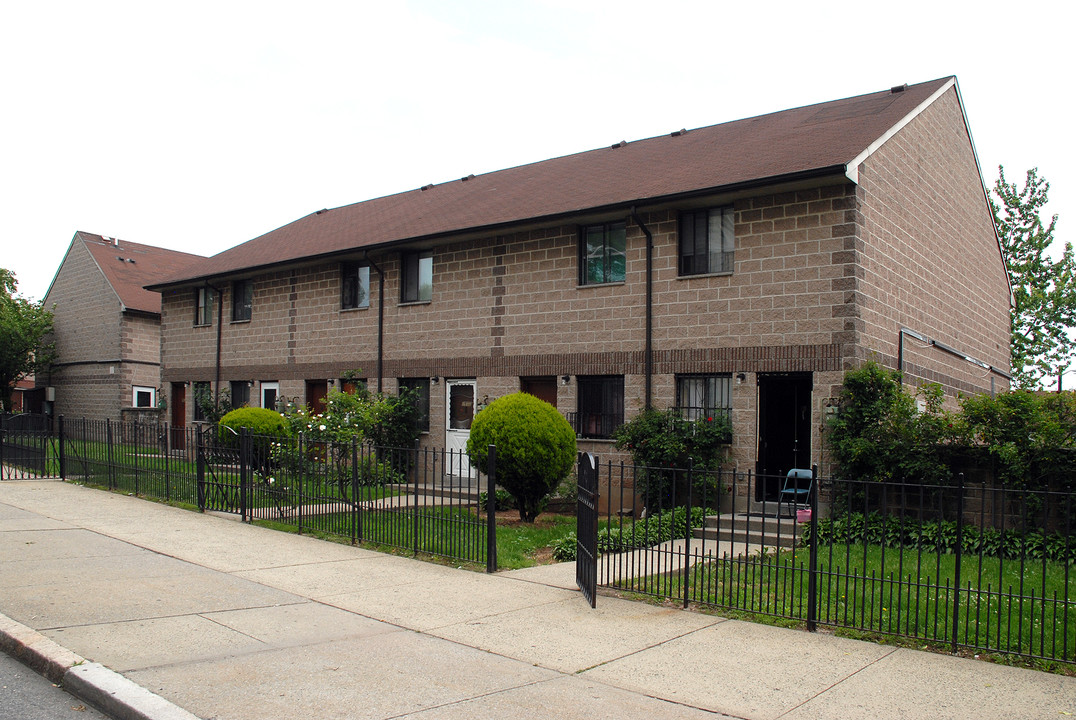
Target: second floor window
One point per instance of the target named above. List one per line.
(242, 300)
(707, 241)
(416, 277)
(602, 254)
(203, 306)
(354, 286)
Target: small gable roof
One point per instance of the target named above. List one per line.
(827, 138)
(129, 267)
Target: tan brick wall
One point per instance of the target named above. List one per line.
(102, 351)
(928, 257)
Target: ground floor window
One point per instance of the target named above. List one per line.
(543, 387)
(601, 405)
(240, 391)
(421, 390)
(144, 397)
(203, 399)
(703, 396)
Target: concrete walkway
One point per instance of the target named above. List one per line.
(223, 620)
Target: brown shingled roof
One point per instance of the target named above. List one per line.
(129, 267)
(797, 142)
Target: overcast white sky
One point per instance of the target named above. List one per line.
(200, 125)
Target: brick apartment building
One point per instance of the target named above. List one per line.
(737, 268)
(106, 328)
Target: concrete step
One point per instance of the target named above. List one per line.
(750, 528)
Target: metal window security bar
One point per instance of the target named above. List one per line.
(964, 566)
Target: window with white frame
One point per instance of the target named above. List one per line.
(143, 397)
(269, 392)
(707, 241)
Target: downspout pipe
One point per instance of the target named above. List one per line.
(220, 330)
(380, 319)
(648, 353)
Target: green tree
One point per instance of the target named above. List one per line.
(535, 448)
(1044, 288)
(24, 329)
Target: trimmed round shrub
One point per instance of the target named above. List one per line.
(263, 424)
(535, 448)
(259, 421)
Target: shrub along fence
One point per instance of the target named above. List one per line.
(422, 501)
(965, 566)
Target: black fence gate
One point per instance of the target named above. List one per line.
(586, 563)
(224, 472)
(24, 442)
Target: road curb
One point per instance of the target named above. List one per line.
(91, 682)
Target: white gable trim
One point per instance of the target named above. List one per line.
(852, 169)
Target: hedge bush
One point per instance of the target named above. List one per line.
(941, 537)
(535, 448)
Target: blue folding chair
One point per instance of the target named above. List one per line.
(797, 489)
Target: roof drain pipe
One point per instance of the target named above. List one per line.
(220, 329)
(380, 318)
(648, 353)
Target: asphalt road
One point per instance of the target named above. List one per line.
(25, 695)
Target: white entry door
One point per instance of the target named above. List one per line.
(460, 407)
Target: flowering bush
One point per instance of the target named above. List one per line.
(663, 444)
(385, 421)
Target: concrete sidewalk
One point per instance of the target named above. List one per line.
(225, 620)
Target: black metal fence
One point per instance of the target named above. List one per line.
(966, 567)
(423, 501)
(426, 501)
(24, 446)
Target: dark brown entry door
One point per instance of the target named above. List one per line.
(316, 392)
(179, 416)
(543, 387)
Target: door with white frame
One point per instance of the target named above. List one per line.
(460, 409)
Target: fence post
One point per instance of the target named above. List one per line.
(812, 568)
(687, 528)
(167, 460)
(356, 532)
(959, 554)
(199, 452)
(244, 469)
(300, 483)
(62, 450)
(137, 445)
(491, 510)
(108, 450)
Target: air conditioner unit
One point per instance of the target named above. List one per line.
(50, 394)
